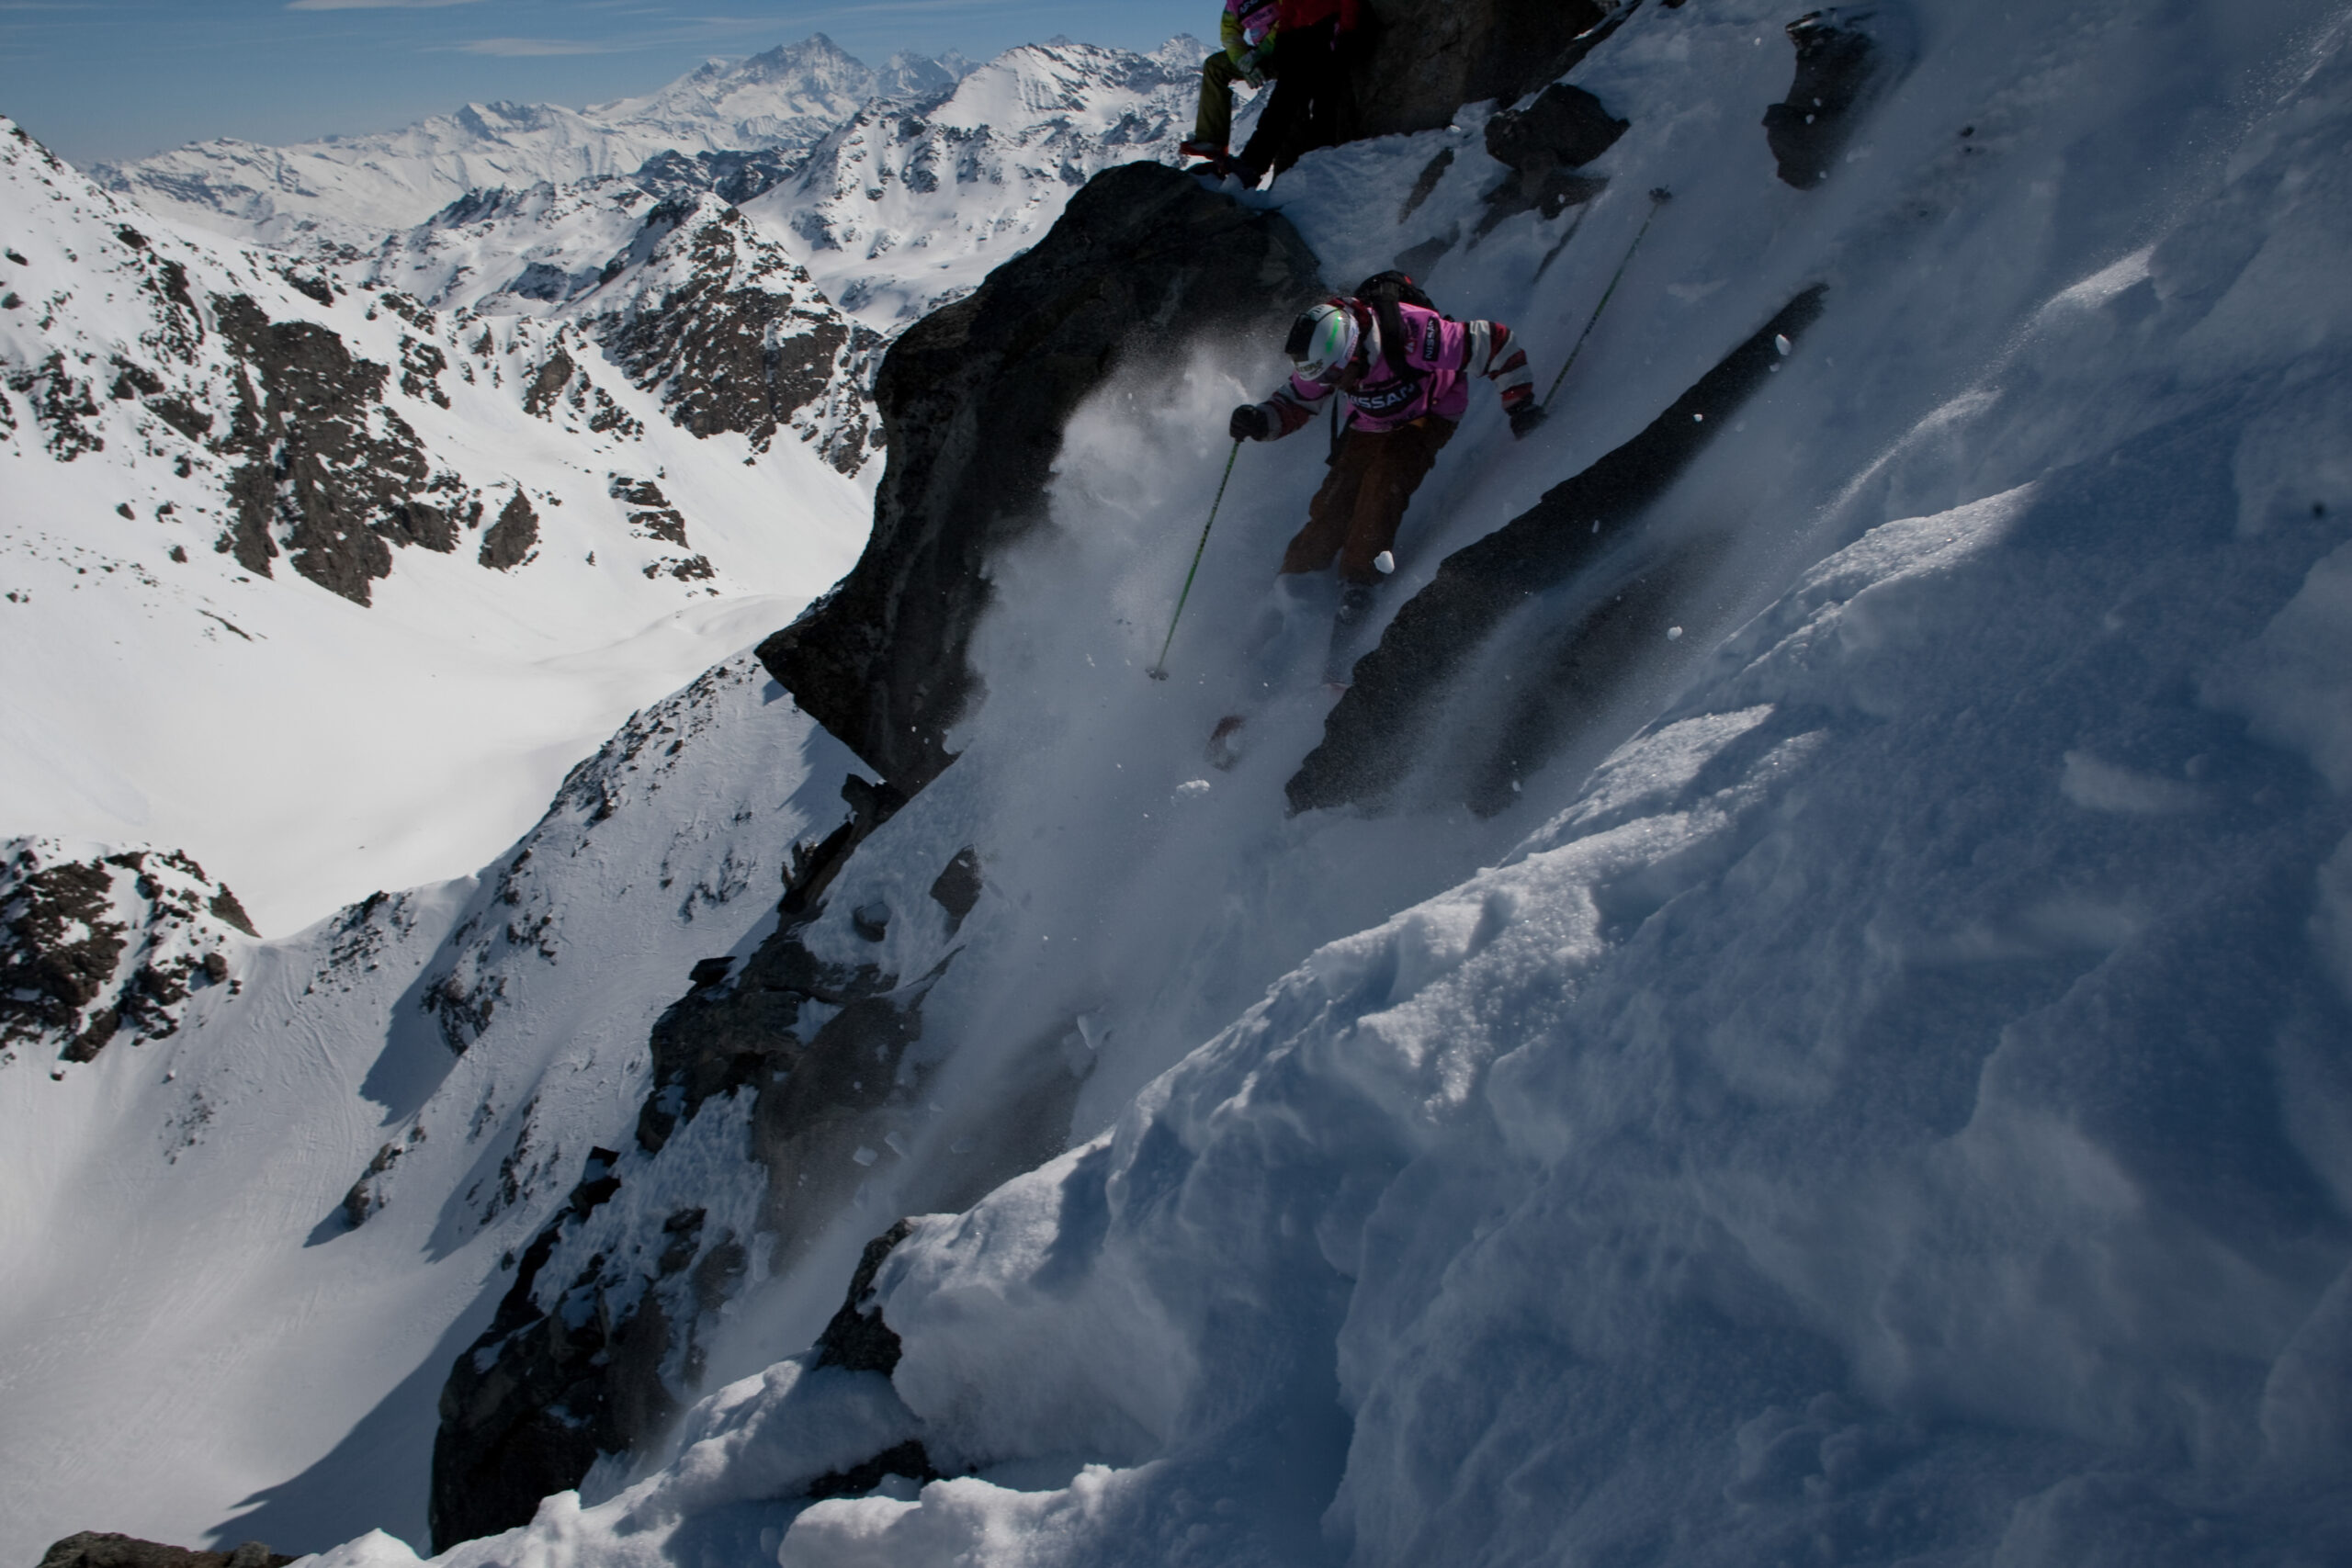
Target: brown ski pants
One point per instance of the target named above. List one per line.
(1354, 515)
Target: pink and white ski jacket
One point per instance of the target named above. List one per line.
(1443, 354)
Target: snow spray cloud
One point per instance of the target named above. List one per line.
(1159, 893)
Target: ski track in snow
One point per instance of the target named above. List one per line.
(1879, 1094)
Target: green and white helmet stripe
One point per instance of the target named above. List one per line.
(1323, 340)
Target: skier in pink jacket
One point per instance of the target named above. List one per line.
(1405, 370)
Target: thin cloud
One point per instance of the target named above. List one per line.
(373, 4)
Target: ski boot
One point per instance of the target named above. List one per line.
(1215, 162)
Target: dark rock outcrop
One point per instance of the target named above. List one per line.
(428, 524)
(1370, 740)
(366, 1194)
(531, 1403)
(60, 401)
(857, 1338)
(734, 336)
(327, 465)
(957, 889)
(548, 383)
(1429, 57)
(1543, 144)
(1838, 63)
(907, 1459)
(734, 177)
(93, 950)
(973, 399)
(651, 515)
(61, 948)
(421, 366)
(510, 541)
(92, 1549)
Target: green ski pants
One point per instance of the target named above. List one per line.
(1218, 73)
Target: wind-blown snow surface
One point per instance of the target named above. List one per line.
(184, 1297)
(1885, 1096)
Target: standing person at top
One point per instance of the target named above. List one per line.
(1314, 102)
(1247, 32)
(1405, 370)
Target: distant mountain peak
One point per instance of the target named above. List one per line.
(355, 189)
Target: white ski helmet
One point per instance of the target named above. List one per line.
(1323, 340)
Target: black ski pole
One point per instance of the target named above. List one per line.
(1659, 196)
(1158, 670)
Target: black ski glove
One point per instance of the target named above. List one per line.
(1526, 418)
(1250, 424)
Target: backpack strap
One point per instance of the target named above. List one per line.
(1387, 293)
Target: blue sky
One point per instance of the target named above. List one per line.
(107, 79)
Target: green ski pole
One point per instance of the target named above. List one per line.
(1158, 670)
(1659, 196)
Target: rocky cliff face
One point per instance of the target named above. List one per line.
(1428, 58)
(598, 1338)
(734, 336)
(973, 400)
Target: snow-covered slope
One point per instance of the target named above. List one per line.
(1873, 1088)
(236, 1257)
(1891, 1108)
(353, 189)
(327, 589)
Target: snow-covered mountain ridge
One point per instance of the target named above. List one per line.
(900, 206)
(1866, 1082)
(353, 189)
(218, 455)
(898, 188)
